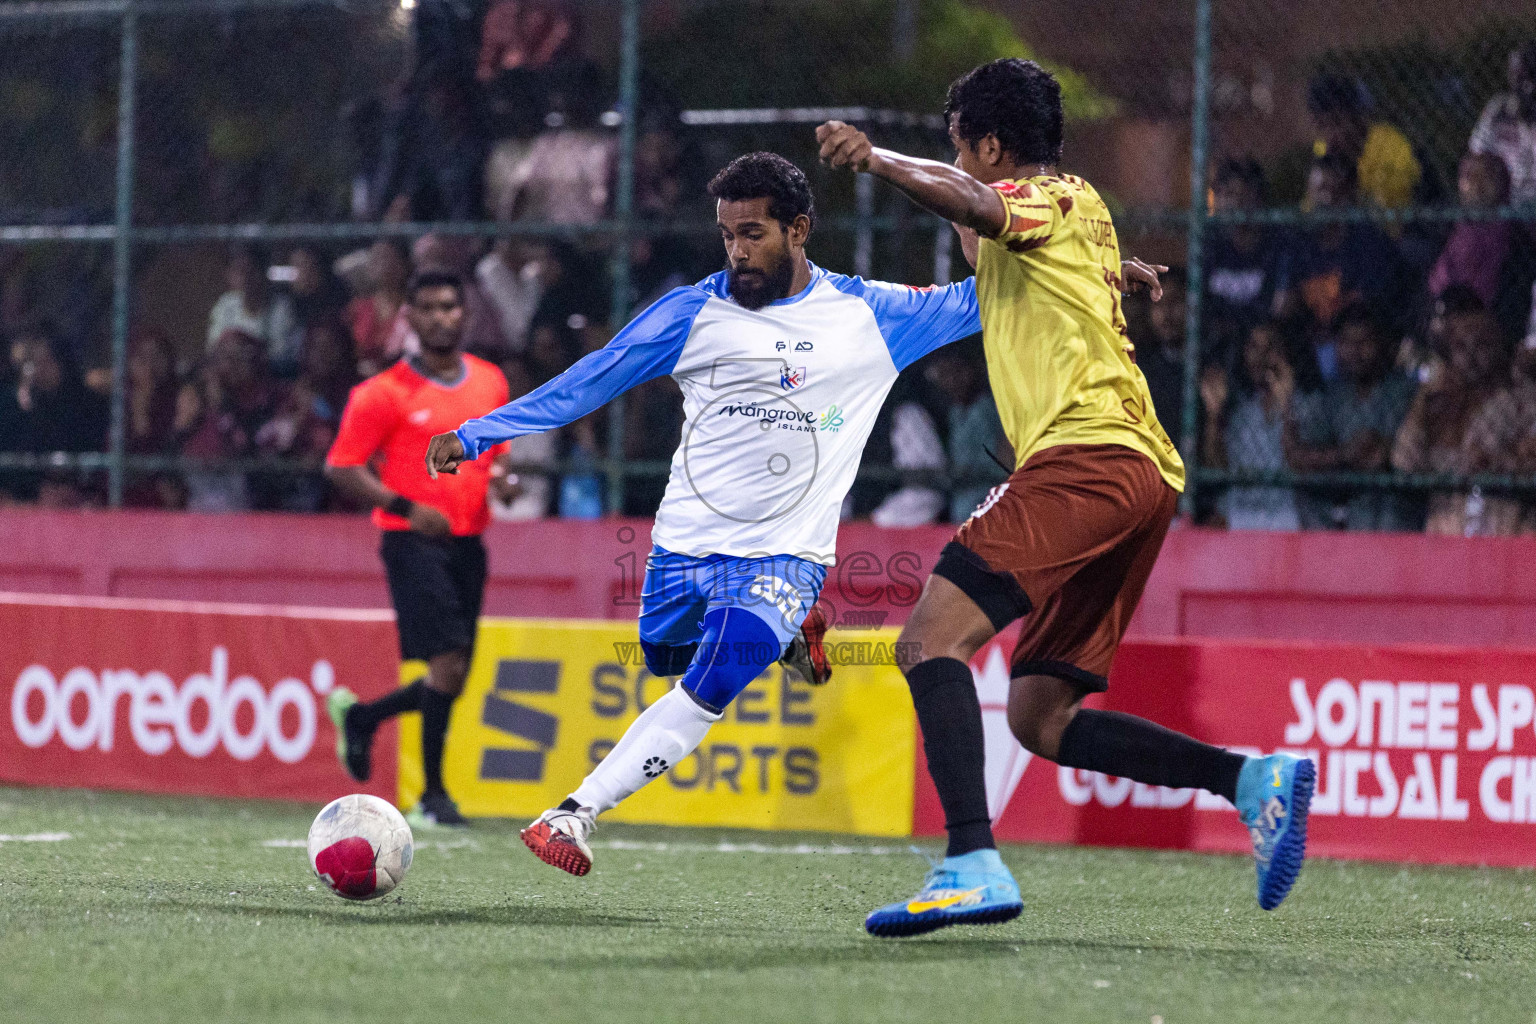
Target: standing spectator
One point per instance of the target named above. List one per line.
(317, 295)
(1389, 173)
(513, 276)
(567, 175)
(1507, 127)
(978, 449)
(1244, 264)
(1350, 425)
(1467, 419)
(1249, 435)
(377, 317)
(304, 423)
(455, 255)
(528, 36)
(217, 416)
(432, 158)
(1335, 266)
(251, 305)
(917, 449)
(1160, 354)
(150, 419)
(53, 411)
(1494, 258)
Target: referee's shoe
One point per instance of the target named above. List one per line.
(354, 741)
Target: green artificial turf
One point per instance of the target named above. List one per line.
(158, 909)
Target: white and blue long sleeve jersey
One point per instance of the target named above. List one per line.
(778, 402)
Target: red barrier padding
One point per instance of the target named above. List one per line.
(1424, 754)
(165, 697)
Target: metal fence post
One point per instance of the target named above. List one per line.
(623, 214)
(1199, 144)
(864, 234)
(122, 252)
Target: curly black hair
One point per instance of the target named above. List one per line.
(770, 176)
(1016, 100)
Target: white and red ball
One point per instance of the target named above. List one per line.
(360, 846)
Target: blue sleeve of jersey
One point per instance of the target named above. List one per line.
(647, 348)
(915, 321)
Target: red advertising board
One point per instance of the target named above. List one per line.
(171, 697)
(1424, 753)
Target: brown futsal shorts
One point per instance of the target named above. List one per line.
(1067, 542)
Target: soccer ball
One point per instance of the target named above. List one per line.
(360, 846)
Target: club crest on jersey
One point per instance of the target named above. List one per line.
(791, 377)
(832, 419)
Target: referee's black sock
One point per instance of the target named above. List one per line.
(944, 693)
(403, 699)
(435, 706)
(1134, 748)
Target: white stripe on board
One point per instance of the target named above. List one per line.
(37, 837)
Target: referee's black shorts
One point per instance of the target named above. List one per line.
(437, 585)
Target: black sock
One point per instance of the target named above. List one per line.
(570, 803)
(435, 706)
(944, 693)
(1134, 748)
(403, 699)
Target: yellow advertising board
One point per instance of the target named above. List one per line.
(546, 699)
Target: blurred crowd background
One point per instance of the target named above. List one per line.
(1363, 340)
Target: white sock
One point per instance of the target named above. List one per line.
(664, 734)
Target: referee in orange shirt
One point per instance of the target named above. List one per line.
(433, 555)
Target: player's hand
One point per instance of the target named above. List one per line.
(843, 145)
(429, 521)
(444, 453)
(1136, 275)
(1214, 390)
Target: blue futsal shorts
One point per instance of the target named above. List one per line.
(680, 589)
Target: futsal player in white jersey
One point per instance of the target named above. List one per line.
(783, 367)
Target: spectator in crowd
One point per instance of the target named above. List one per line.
(218, 413)
(978, 449)
(50, 410)
(1469, 418)
(482, 321)
(527, 493)
(566, 175)
(376, 317)
(1389, 173)
(1334, 266)
(1160, 353)
(149, 426)
(527, 36)
(513, 277)
(316, 293)
(1507, 127)
(917, 450)
(304, 423)
(432, 159)
(1494, 258)
(1248, 434)
(1350, 425)
(1244, 263)
(253, 306)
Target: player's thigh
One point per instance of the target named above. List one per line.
(779, 589)
(946, 622)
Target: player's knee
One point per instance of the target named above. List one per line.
(667, 659)
(448, 672)
(1037, 718)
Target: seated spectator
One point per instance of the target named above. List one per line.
(315, 291)
(251, 305)
(1249, 434)
(1389, 173)
(51, 410)
(1466, 419)
(1494, 258)
(376, 317)
(1334, 266)
(218, 413)
(529, 491)
(482, 320)
(1244, 263)
(566, 175)
(1507, 127)
(1350, 425)
(978, 449)
(149, 425)
(1160, 353)
(304, 423)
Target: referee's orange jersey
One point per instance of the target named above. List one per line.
(396, 413)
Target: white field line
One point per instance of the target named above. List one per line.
(37, 837)
(285, 844)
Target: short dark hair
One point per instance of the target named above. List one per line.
(1337, 163)
(1243, 170)
(766, 176)
(1333, 93)
(1016, 100)
(1372, 317)
(433, 279)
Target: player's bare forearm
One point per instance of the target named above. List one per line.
(938, 187)
(360, 485)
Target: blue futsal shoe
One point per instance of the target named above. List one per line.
(1273, 796)
(976, 888)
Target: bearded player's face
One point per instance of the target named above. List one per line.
(759, 252)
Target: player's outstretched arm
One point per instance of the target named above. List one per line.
(647, 348)
(938, 187)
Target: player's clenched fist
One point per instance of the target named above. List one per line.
(843, 145)
(444, 453)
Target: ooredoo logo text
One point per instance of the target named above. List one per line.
(80, 709)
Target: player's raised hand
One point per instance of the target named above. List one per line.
(444, 453)
(1137, 275)
(843, 145)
